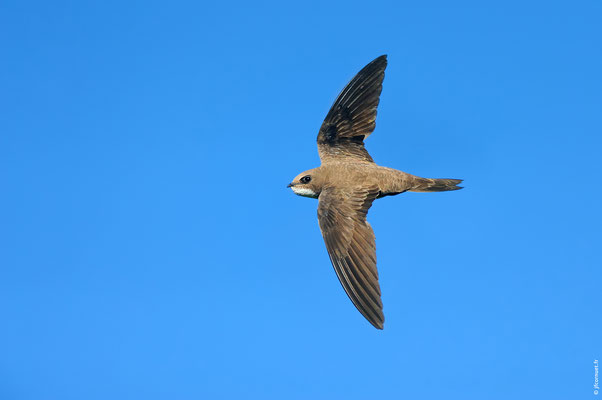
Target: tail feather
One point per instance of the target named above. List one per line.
(435, 185)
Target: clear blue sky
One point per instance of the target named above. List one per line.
(150, 249)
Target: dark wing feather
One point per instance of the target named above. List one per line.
(350, 243)
(352, 117)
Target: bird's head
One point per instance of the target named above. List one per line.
(307, 184)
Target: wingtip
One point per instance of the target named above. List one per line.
(378, 322)
(378, 62)
(381, 58)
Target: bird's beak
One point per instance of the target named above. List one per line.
(289, 185)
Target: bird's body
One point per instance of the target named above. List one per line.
(347, 183)
(389, 181)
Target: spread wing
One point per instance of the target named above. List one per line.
(350, 243)
(352, 117)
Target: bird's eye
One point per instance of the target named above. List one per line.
(305, 179)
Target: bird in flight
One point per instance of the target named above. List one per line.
(347, 183)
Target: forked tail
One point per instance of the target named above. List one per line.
(435, 185)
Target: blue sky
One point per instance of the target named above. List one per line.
(150, 249)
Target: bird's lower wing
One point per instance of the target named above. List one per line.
(350, 243)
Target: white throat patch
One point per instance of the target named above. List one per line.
(305, 192)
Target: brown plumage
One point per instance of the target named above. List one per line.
(347, 183)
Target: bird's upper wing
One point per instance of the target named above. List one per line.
(350, 243)
(352, 116)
